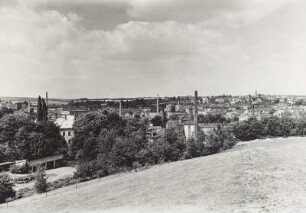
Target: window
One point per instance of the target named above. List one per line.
(63, 133)
(69, 133)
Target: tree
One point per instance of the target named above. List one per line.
(6, 187)
(22, 138)
(123, 153)
(41, 180)
(157, 121)
(44, 110)
(164, 119)
(193, 149)
(40, 114)
(38, 140)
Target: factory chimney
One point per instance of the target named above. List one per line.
(195, 115)
(157, 104)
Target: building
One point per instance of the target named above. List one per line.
(65, 124)
(206, 128)
(50, 162)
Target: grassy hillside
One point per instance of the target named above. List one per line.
(259, 176)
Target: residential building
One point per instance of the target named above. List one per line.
(65, 124)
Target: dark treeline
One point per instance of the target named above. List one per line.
(29, 137)
(132, 103)
(269, 127)
(22, 138)
(5, 111)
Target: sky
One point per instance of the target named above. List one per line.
(136, 48)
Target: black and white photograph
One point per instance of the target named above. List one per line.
(152, 106)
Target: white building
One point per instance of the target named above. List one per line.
(189, 131)
(65, 124)
(204, 128)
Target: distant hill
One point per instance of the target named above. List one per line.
(31, 99)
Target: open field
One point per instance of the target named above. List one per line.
(259, 176)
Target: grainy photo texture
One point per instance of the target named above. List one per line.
(166, 106)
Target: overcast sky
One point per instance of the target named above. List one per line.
(128, 48)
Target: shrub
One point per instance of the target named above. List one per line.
(6, 187)
(41, 180)
(20, 169)
(193, 149)
(86, 169)
(24, 179)
(61, 182)
(24, 192)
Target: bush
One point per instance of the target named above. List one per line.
(6, 188)
(62, 182)
(86, 169)
(41, 180)
(24, 179)
(193, 149)
(24, 192)
(22, 169)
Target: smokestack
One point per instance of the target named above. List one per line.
(120, 108)
(196, 115)
(157, 104)
(47, 98)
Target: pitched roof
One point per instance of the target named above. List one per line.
(65, 122)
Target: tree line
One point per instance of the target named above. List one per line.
(269, 127)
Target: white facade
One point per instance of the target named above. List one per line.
(65, 124)
(189, 131)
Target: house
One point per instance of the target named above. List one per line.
(65, 124)
(206, 128)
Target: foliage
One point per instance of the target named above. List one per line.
(61, 182)
(22, 138)
(44, 110)
(20, 169)
(272, 127)
(6, 188)
(104, 144)
(41, 180)
(193, 149)
(157, 121)
(40, 113)
(23, 179)
(211, 118)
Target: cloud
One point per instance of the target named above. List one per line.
(168, 47)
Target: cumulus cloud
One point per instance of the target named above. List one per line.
(168, 47)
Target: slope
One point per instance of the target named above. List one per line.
(258, 176)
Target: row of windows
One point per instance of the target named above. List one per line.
(69, 133)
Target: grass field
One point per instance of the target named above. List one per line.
(259, 176)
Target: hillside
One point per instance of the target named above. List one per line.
(259, 176)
